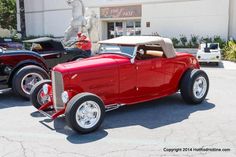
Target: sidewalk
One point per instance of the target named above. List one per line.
(222, 65)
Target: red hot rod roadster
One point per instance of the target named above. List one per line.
(128, 70)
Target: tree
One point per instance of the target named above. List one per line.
(8, 14)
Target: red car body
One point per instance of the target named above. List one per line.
(115, 80)
(129, 70)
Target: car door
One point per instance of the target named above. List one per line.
(49, 52)
(71, 54)
(150, 77)
(127, 82)
(52, 57)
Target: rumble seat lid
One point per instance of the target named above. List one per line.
(165, 43)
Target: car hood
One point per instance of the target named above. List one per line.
(97, 62)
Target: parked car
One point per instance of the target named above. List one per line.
(21, 69)
(129, 70)
(10, 44)
(209, 53)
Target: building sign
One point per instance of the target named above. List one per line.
(121, 12)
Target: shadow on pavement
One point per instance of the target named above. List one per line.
(9, 99)
(74, 137)
(152, 115)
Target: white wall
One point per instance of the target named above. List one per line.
(171, 17)
(46, 17)
(102, 3)
(34, 24)
(56, 22)
(232, 29)
(201, 17)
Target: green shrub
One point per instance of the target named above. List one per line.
(230, 51)
(183, 40)
(218, 39)
(175, 42)
(194, 41)
(206, 40)
(156, 34)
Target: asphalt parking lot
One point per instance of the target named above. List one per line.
(164, 127)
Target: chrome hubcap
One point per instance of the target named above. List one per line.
(199, 87)
(88, 114)
(29, 81)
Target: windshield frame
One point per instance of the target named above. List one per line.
(119, 53)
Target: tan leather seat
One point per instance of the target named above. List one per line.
(155, 53)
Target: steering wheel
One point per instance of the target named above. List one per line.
(140, 54)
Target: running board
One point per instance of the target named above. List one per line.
(54, 115)
(113, 107)
(58, 113)
(45, 114)
(5, 90)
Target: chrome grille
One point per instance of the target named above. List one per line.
(57, 89)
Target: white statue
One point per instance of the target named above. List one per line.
(78, 21)
(92, 26)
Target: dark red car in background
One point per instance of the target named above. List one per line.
(21, 69)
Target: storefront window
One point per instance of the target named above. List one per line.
(133, 28)
(137, 24)
(110, 30)
(129, 24)
(119, 29)
(130, 28)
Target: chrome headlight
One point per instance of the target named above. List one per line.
(45, 89)
(65, 97)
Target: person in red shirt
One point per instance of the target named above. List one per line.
(84, 43)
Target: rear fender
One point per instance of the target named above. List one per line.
(26, 63)
(181, 78)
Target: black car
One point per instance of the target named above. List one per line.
(21, 69)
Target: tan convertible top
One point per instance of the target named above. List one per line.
(165, 43)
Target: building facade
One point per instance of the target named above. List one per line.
(169, 18)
